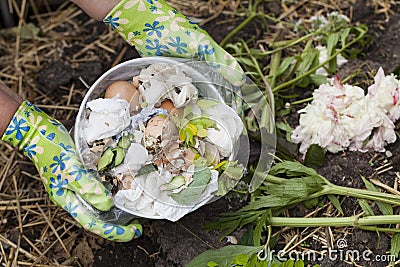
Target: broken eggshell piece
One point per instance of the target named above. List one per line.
(107, 118)
(155, 125)
(162, 81)
(135, 158)
(124, 90)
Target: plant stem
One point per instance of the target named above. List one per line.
(305, 100)
(332, 189)
(364, 194)
(336, 222)
(238, 28)
(311, 71)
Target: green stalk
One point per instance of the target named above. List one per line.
(354, 221)
(253, 15)
(268, 124)
(364, 194)
(238, 28)
(286, 44)
(311, 71)
(305, 100)
(332, 189)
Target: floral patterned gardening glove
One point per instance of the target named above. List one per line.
(48, 144)
(156, 29)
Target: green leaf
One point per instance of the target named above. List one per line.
(231, 173)
(195, 189)
(331, 49)
(212, 264)
(343, 36)
(265, 202)
(308, 58)
(119, 155)
(202, 133)
(366, 207)
(175, 183)
(395, 245)
(311, 203)
(335, 202)
(206, 103)
(292, 169)
(146, 169)
(247, 238)
(332, 41)
(125, 141)
(241, 259)
(315, 157)
(105, 160)
(318, 79)
(284, 66)
(223, 256)
(260, 226)
(205, 122)
(299, 263)
(284, 126)
(295, 187)
(245, 61)
(186, 111)
(385, 208)
(288, 263)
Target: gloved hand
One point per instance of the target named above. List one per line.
(49, 146)
(156, 29)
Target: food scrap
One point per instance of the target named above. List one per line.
(164, 147)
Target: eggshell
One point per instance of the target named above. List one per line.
(169, 106)
(155, 126)
(124, 90)
(189, 156)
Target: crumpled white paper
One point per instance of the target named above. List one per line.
(145, 198)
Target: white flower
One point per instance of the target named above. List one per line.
(340, 117)
(385, 91)
(107, 118)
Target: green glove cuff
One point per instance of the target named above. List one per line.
(156, 29)
(48, 144)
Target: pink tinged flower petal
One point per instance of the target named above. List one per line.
(338, 83)
(373, 89)
(395, 96)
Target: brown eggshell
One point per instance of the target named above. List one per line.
(169, 106)
(189, 156)
(155, 126)
(124, 90)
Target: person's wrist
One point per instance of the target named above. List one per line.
(9, 103)
(96, 9)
